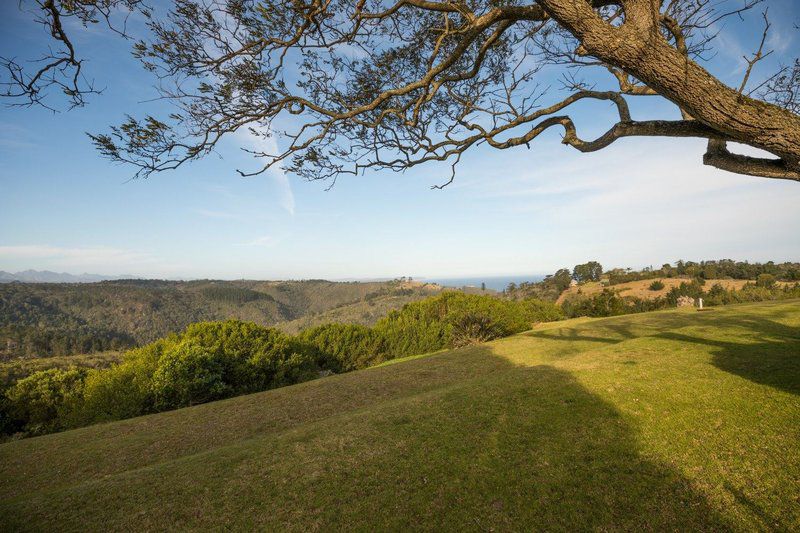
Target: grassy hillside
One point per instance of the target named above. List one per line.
(667, 420)
(641, 288)
(46, 319)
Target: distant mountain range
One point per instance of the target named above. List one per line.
(46, 276)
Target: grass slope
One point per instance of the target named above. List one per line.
(667, 420)
(641, 288)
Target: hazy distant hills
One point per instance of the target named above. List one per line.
(47, 276)
(49, 319)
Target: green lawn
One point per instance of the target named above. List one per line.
(668, 420)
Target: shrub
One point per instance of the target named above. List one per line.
(214, 360)
(540, 311)
(344, 347)
(454, 319)
(473, 328)
(657, 285)
(123, 390)
(45, 400)
(692, 290)
(606, 303)
(208, 361)
(765, 280)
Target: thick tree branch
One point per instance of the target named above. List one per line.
(718, 156)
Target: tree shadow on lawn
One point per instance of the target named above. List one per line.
(514, 448)
(534, 449)
(612, 330)
(769, 353)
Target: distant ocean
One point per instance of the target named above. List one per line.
(497, 283)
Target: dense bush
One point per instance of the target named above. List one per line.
(722, 269)
(606, 303)
(54, 319)
(34, 341)
(214, 360)
(234, 295)
(208, 361)
(455, 319)
(765, 280)
(44, 401)
(344, 347)
(657, 285)
(718, 295)
(123, 390)
(693, 289)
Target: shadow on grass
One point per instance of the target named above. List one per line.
(764, 350)
(767, 352)
(505, 448)
(612, 330)
(533, 449)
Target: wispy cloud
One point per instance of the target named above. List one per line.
(779, 40)
(267, 145)
(221, 190)
(264, 240)
(227, 215)
(15, 137)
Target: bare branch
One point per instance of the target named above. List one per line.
(339, 87)
(60, 68)
(758, 55)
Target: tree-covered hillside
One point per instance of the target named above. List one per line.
(40, 320)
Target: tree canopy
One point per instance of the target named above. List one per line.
(351, 85)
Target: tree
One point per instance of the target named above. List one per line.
(562, 279)
(590, 271)
(396, 83)
(765, 280)
(44, 401)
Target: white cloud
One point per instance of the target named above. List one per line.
(268, 145)
(638, 201)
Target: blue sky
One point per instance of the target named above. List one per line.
(640, 202)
